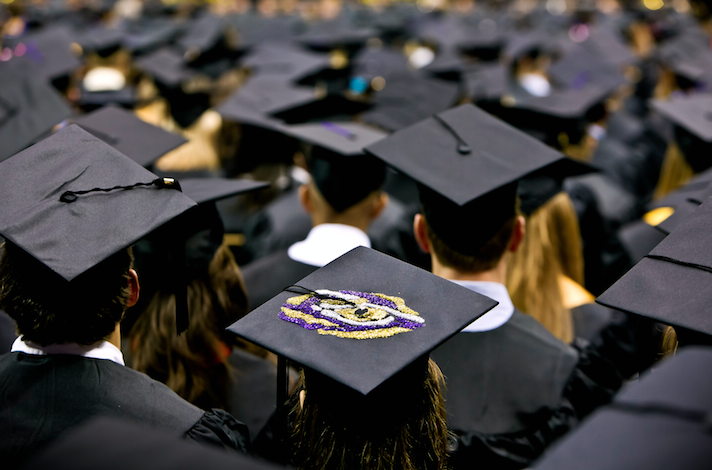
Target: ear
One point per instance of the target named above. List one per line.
(421, 233)
(134, 287)
(518, 233)
(380, 202)
(305, 198)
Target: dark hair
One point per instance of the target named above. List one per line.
(408, 437)
(193, 364)
(485, 257)
(49, 310)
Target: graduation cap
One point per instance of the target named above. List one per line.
(71, 201)
(332, 34)
(150, 34)
(539, 187)
(362, 319)
(103, 41)
(659, 422)
(49, 50)
(123, 130)
(337, 164)
(254, 30)
(692, 117)
(467, 164)
(607, 43)
(262, 96)
(381, 62)
(408, 98)
(116, 444)
(487, 82)
(289, 61)
(125, 97)
(167, 67)
(671, 284)
(579, 67)
(203, 35)
(29, 108)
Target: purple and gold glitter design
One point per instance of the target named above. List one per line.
(351, 314)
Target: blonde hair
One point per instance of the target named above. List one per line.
(669, 344)
(674, 173)
(551, 249)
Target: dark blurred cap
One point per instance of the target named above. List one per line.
(123, 130)
(49, 50)
(670, 284)
(659, 422)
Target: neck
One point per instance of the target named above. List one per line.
(353, 222)
(496, 274)
(115, 337)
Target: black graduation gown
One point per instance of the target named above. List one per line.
(41, 397)
(268, 276)
(253, 390)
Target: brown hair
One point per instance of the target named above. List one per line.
(414, 440)
(551, 248)
(193, 364)
(486, 257)
(674, 173)
(49, 310)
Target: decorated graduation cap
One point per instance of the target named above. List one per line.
(692, 117)
(671, 284)
(116, 444)
(29, 108)
(659, 422)
(138, 140)
(467, 164)
(337, 163)
(362, 319)
(71, 201)
(408, 98)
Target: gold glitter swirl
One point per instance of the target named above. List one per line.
(400, 303)
(298, 300)
(367, 334)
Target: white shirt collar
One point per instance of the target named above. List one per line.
(100, 350)
(326, 242)
(496, 317)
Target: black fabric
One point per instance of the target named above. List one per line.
(590, 319)
(44, 396)
(267, 276)
(638, 239)
(7, 332)
(499, 381)
(113, 444)
(253, 391)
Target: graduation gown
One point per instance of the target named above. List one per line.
(41, 397)
(268, 276)
(7, 332)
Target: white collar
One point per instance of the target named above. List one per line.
(326, 242)
(496, 317)
(100, 350)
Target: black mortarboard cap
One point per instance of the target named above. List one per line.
(254, 30)
(116, 444)
(332, 34)
(578, 67)
(103, 41)
(607, 43)
(409, 98)
(29, 107)
(123, 130)
(538, 188)
(338, 166)
(381, 62)
(671, 284)
(125, 97)
(49, 50)
(167, 67)
(486, 82)
(393, 314)
(291, 62)
(203, 34)
(659, 422)
(150, 34)
(72, 237)
(467, 163)
(263, 96)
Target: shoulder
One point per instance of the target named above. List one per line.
(522, 326)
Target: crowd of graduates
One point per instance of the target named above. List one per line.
(330, 234)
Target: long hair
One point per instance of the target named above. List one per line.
(674, 173)
(551, 248)
(414, 439)
(193, 364)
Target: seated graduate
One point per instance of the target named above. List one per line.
(205, 365)
(72, 207)
(513, 387)
(343, 198)
(362, 328)
(552, 247)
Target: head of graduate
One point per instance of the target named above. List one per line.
(468, 164)
(346, 185)
(72, 209)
